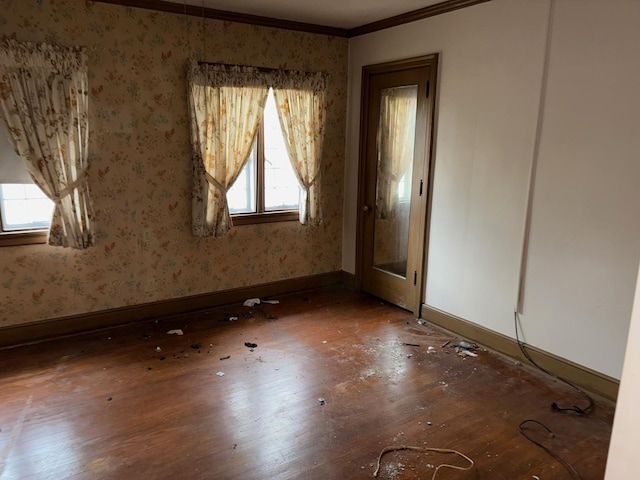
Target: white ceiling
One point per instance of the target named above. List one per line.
(332, 13)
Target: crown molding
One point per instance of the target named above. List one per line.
(195, 11)
(426, 12)
(224, 15)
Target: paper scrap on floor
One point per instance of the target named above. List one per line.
(251, 302)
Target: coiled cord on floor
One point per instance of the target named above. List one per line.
(426, 449)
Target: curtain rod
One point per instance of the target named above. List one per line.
(259, 69)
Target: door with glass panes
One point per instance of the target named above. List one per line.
(395, 143)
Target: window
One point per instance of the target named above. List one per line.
(267, 188)
(226, 106)
(25, 214)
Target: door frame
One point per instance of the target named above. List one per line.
(428, 165)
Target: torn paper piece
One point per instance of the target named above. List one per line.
(177, 331)
(251, 302)
(220, 374)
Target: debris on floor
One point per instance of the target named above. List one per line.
(177, 331)
(466, 346)
(467, 353)
(322, 401)
(393, 448)
(422, 322)
(446, 343)
(465, 349)
(196, 346)
(230, 318)
(220, 374)
(251, 302)
(431, 349)
(272, 302)
(225, 358)
(250, 344)
(324, 341)
(158, 349)
(410, 344)
(109, 399)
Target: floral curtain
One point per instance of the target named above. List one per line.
(301, 108)
(44, 102)
(396, 133)
(226, 105)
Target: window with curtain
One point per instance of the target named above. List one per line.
(44, 106)
(267, 188)
(257, 145)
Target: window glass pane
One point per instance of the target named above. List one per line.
(404, 191)
(281, 187)
(23, 207)
(13, 191)
(241, 197)
(33, 191)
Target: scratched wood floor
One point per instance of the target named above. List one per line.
(108, 405)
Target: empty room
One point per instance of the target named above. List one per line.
(297, 240)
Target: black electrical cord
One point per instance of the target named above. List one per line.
(564, 463)
(554, 405)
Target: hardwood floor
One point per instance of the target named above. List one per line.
(108, 405)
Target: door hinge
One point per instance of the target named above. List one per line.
(415, 277)
(427, 89)
(421, 183)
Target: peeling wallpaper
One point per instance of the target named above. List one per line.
(140, 172)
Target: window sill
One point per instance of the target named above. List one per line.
(267, 217)
(13, 239)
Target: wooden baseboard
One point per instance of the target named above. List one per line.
(584, 377)
(349, 280)
(34, 332)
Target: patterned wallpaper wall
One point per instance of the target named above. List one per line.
(140, 170)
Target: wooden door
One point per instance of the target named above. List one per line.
(394, 182)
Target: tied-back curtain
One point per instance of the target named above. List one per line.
(44, 102)
(301, 101)
(396, 133)
(226, 105)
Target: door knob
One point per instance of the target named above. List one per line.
(366, 208)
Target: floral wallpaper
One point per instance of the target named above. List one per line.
(140, 172)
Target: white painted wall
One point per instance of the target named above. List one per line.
(622, 461)
(585, 232)
(585, 238)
